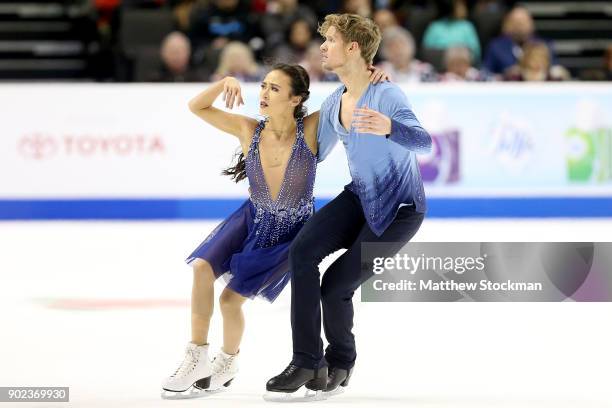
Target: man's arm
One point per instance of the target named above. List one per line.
(395, 121)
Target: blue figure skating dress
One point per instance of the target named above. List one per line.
(250, 248)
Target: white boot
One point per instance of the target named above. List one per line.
(193, 374)
(225, 368)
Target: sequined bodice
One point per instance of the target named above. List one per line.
(294, 205)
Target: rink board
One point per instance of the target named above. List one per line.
(101, 151)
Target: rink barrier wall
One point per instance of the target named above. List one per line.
(208, 209)
(135, 151)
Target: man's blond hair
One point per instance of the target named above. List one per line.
(356, 28)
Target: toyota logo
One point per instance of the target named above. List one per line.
(37, 146)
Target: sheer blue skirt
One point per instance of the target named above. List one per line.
(247, 268)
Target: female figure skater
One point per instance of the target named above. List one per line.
(250, 248)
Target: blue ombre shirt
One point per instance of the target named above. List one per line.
(384, 170)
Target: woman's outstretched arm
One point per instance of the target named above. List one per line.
(234, 124)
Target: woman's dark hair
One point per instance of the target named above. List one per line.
(300, 82)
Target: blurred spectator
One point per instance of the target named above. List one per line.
(259, 6)
(489, 5)
(452, 29)
(107, 15)
(505, 51)
(603, 73)
(220, 22)
(312, 64)
(143, 3)
(325, 7)
(213, 24)
(175, 54)
(237, 60)
(384, 18)
(299, 36)
(415, 15)
(182, 11)
(487, 16)
(458, 62)
(276, 22)
(361, 7)
(398, 50)
(535, 65)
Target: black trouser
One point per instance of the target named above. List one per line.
(339, 224)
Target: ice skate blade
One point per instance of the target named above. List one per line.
(216, 391)
(297, 396)
(339, 390)
(188, 394)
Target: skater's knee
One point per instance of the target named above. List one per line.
(200, 265)
(330, 294)
(202, 269)
(230, 301)
(326, 294)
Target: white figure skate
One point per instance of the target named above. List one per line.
(192, 377)
(224, 369)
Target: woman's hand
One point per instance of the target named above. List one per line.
(378, 75)
(232, 94)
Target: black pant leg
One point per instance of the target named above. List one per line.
(346, 274)
(333, 227)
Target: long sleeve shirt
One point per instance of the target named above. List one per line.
(384, 170)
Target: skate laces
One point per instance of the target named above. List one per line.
(188, 364)
(221, 364)
(288, 370)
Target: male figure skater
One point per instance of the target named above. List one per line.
(385, 202)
